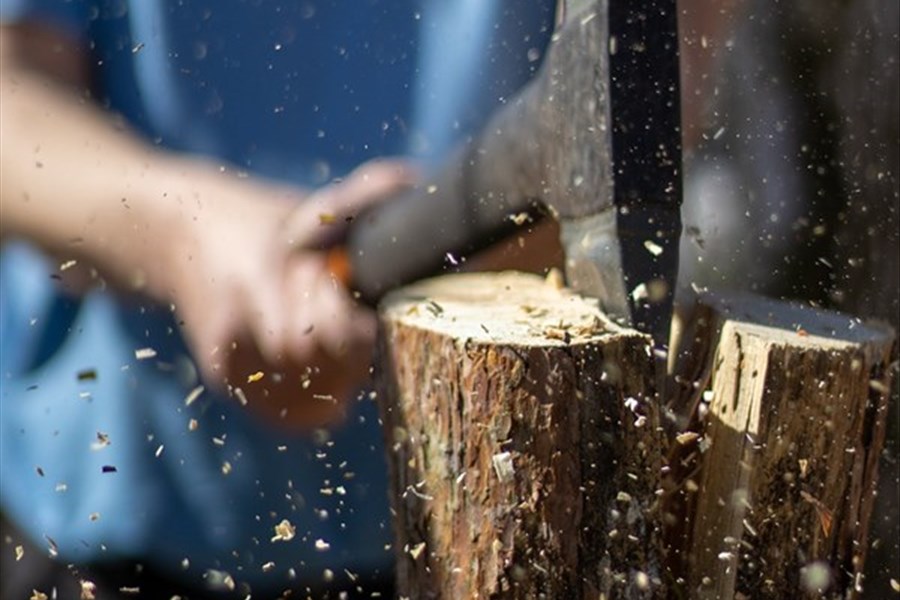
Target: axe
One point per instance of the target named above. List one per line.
(594, 138)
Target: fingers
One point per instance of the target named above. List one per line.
(301, 306)
(268, 318)
(324, 215)
(348, 328)
(323, 317)
(366, 186)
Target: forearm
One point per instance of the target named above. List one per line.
(78, 184)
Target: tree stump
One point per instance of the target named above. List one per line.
(789, 424)
(524, 442)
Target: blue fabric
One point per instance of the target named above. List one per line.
(298, 91)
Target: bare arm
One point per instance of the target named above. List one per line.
(236, 256)
(73, 180)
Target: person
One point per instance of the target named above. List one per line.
(176, 355)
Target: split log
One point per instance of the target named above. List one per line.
(523, 442)
(792, 423)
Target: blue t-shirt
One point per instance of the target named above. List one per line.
(95, 449)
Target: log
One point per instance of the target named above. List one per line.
(523, 440)
(779, 474)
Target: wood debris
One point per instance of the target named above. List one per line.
(87, 375)
(826, 516)
(417, 550)
(434, 308)
(555, 279)
(520, 218)
(144, 353)
(193, 395)
(101, 442)
(653, 248)
(503, 466)
(241, 396)
(284, 531)
(686, 437)
(322, 546)
(88, 590)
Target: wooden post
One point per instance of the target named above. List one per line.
(523, 443)
(780, 473)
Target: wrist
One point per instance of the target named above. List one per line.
(165, 224)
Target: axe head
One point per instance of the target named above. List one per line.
(612, 174)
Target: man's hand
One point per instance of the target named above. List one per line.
(252, 289)
(236, 256)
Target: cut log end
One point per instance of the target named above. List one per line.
(508, 308)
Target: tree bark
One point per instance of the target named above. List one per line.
(778, 479)
(524, 443)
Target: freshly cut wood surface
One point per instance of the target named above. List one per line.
(523, 440)
(501, 308)
(790, 406)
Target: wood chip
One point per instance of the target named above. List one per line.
(623, 497)
(36, 595)
(101, 442)
(686, 437)
(653, 248)
(434, 308)
(520, 218)
(242, 398)
(503, 466)
(88, 590)
(555, 279)
(254, 377)
(144, 353)
(87, 375)
(417, 550)
(193, 395)
(20, 552)
(322, 546)
(284, 531)
(826, 516)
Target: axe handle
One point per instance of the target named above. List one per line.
(463, 208)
